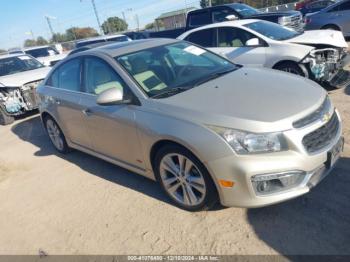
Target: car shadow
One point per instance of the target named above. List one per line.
(317, 223)
(31, 130)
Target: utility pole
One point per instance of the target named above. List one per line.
(97, 17)
(209, 3)
(137, 22)
(48, 19)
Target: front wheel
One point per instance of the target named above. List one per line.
(184, 179)
(289, 67)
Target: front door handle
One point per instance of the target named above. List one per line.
(87, 112)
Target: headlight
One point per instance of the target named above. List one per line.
(284, 20)
(250, 143)
(273, 183)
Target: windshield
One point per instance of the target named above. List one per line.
(272, 30)
(42, 52)
(245, 10)
(175, 67)
(17, 64)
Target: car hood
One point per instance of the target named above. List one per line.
(256, 100)
(320, 37)
(19, 79)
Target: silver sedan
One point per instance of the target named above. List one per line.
(208, 130)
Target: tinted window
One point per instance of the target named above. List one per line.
(220, 15)
(199, 18)
(68, 76)
(203, 38)
(99, 76)
(118, 39)
(344, 6)
(245, 10)
(81, 44)
(341, 7)
(233, 37)
(42, 52)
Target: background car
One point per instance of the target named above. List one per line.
(205, 128)
(100, 39)
(317, 55)
(47, 55)
(315, 6)
(335, 16)
(20, 74)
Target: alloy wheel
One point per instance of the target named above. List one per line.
(182, 179)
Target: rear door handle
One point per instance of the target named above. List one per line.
(87, 112)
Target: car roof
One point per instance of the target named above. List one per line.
(99, 38)
(122, 48)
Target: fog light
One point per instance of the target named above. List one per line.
(273, 183)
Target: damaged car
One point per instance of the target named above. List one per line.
(19, 76)
(321, 55)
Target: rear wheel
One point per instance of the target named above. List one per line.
(56, 136)
(184, 179)
(290, 67)
(5, 119)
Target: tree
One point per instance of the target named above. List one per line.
(41, 41)
(59, 38)
(29, 43)
(2, 51)
(114, 24)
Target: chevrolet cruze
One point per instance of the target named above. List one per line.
(206, 129)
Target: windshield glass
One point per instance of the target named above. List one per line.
(245, 10)
(272, 30)
(17, 64)
(42, 52)
(173, 68)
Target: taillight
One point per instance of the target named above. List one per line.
(307, 20)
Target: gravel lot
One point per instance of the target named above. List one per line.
(78, 204)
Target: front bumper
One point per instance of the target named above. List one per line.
(240, 170)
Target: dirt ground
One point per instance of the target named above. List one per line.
(77, 204)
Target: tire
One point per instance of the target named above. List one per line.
(192, 190)
(290, 67)
(5, 119)
(56, 135)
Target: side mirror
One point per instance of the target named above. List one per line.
(231, 18)
(253, 42)
(112, 96)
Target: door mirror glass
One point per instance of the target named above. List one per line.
(253, 42)
(112, 96)
(231, 17)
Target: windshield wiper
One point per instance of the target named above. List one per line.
(170, 91)
(214, 76)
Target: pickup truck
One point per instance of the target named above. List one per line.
(235, 11)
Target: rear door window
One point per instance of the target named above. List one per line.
(205, 38)
(200, 18)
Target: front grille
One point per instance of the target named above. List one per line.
(296, 22)
(323, 136)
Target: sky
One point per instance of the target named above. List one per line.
(19, 17)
